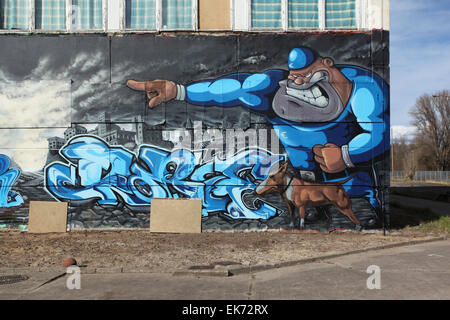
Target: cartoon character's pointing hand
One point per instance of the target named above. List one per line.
(158, 91)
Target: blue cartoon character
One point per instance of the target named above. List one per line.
(331, 119)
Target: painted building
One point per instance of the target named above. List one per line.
(274, 112)
(112, 133)
(74, 131)
(55, 143)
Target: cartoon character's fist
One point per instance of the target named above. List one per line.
(329, 157)
(158, 91)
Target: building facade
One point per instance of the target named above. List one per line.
(74, 131)
(55, 143)
(235, 102)
(112, 133)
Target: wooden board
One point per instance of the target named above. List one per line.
(214, 15)
(176, 215)
(47, 216)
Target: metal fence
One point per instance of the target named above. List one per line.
(442, 176)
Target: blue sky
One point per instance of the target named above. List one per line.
(420, 53)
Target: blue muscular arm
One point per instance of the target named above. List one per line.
(241, 89)
(369, 104)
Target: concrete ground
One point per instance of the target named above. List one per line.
(411, 272)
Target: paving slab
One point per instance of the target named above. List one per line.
(145, 286)
(412, 272)
(20, 289)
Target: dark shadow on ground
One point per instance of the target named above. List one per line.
(402, 215)
(435, 193)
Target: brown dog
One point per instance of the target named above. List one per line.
(306, 194)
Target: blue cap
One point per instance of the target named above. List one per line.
(300, 58)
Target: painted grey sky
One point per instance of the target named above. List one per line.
(76, 78)
(420, 53)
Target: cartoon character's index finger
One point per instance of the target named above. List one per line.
(136, 85)
(140, 85)
(317, 150)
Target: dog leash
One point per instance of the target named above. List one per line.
(287, 186)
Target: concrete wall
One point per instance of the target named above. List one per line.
(378, 14)
(122, 153)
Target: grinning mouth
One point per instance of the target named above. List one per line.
(314, 95)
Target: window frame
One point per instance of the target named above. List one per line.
(31, 20)
(158, 20)
(240, 19)
(68, 27)
(283, 18)
(357, 17)
(360, 17)
(119, 15)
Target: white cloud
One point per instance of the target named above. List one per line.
(127, 70)
(33, 104)
(28, 147)
(42, 100)
(88, 62)
(407, 132)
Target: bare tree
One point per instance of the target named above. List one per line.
(410, 166)
(400, 149)
(431, 116)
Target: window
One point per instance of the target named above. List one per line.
(14, 14)
(140, 14)
(340, 14)
(266, 14)
(160, 14)
(301, 14)
(43, 15)
(50, 14)
(87, 14)
(177, 14)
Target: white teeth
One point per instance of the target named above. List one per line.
(312, 96)
(316, 92)
(308, 93)
(321, 101)
(295, 93)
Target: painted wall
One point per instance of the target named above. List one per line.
(234, 125)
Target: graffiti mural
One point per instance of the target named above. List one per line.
(112, 176)
(330, 119)
(269, 130)
(8, 197)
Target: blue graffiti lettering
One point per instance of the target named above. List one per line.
(111, 176)
(8, 197)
